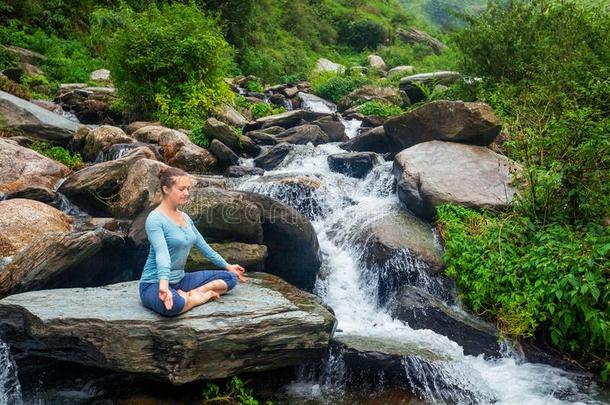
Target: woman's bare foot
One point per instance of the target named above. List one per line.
(195, 298)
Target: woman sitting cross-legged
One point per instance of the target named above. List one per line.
(164, 286)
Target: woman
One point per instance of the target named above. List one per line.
(164, 286)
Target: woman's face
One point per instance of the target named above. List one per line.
(178, 194)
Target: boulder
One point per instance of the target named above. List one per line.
(261, 325)
(304, 134)
(251, 257)
(274, 156)
(100, 75)
(236, 142)
(262, 138)
(390, 95)
(325, 65)
(377, 63)
(436, 172)
(415, 36)
(285, 120)
(100, 139)
(21, 221)
(134, 126)
(417, 366)
(290, 92)
(152, 133)
(273, 130)
(224, 154)
(119, 150)
(373, 121)
(22, 168)
(95, 188)
(372, 140)
(229, 115)
(25, 55)
(98, 112)
(456, 121)
(423, 311)
(22, 117)
(353, 164)
(411, 85)
(333, 127)
(241, 171)
(68, 259)
(15, 73)
(401, 70)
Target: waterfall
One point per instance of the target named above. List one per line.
(350, 287)
(10, 389)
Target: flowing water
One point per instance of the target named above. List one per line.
(10, 389)
(343, 206)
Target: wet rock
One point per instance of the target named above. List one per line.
(354, 164)
(100, 139)
(263, 324)
(304, 134)
(373, 140)
(436, 172)
(251, 257)
(274, 156)
(285, 120)
(457, 121)
(423, 311)
(241, 171)
(333, 127)
(236, 142)
(298, 191)
(311, 102)
(25, 118)
(262, 138)
(21, 221)
(224, 154)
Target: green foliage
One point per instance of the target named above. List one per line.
(254, 86)
(260, 110)
(58, 153)
(363, 34)
(555, 277)
(379, 109)
(171, 61)
(7, 59)
(199, 137)
(333, 86)
(68, 60)
(13, 88)
(235, 392)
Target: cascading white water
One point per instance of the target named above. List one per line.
(349, 204)
(10, 389)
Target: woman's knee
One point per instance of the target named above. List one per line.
(231, 280)
(150, 299)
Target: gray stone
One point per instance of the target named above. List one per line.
(390, 95)
(100, 75)
(263, 324)
(325, 65)
(401, 70)
(354, 164)
(229, 115)
(100, 139)
(252, 257)
(27, 118)
(241, 171)
(311, 102)
(377, 62)
(456, 121)
(333, 127)
(262, 138)
(373, 140)
(236, 142)
(436, 172)
(274, 156)
(304, 134)
(224, 154)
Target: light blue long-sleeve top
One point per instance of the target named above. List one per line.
(170, 245)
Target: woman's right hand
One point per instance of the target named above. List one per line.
(165, 294)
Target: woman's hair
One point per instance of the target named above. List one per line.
(167, 176)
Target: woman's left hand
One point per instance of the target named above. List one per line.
(238, 270)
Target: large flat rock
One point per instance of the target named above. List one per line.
(260, 325)
(432, 173)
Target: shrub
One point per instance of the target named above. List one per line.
(58, 153)
(170, 62)
(264, 109)
(235, 392)
(552, 280)
(254, 86)
(333, 86)
(363, 34)
(379, 109)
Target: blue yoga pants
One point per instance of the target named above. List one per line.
(149, 292)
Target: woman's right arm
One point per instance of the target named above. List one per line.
(156, 237)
